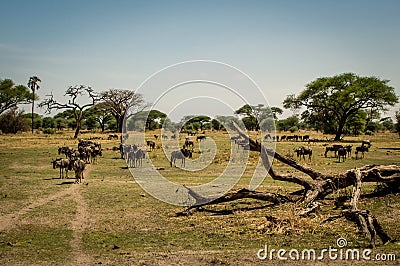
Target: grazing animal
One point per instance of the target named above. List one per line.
(139, 155)
(200, 138)
(243, 143)
(334, 148)
(62, 164)
(366, 143)
(302, 151)
(164, 136)
(155, 136)
(361, 149)
(306, 137)
(189, 142)
(267, 136)
(342, 153)
(79, 167)
(348, 149)
(151, 144)
(181, 154)
(191, 133)
(283, 137)
(173, 136)
(96, 153)
(112, 136)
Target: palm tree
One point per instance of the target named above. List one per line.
(33, 85)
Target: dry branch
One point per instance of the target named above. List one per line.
(320, 186)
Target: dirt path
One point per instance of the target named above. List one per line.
(9, 221)
(79, 224)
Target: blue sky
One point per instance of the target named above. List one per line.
(281, 45)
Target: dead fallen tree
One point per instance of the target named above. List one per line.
(314, 189)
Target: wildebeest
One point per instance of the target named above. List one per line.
(112, 136)
(361, 149)
(334, 148)
(79, 167)
(200, 138)
(189, 142)
(96, 153)
(302, 151)
(181, 154)
(155, 136)
(366, 143)
(173, 136)
(164, 136)
(151, 144)
(62, 164)
(191, 133)
(341, 153)
(267, 136)
(306, 137)
(283, 137)
(348, 149)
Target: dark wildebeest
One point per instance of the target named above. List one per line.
(342, 152)
(283, 137)
(191, 133)
(173, 136)
(181, 154)
(348, 149)
(306, 137)
(361, 149)
(366, 143)
(164, 136)
(302, 151)
(290, 138)
(200, 138)
(78, 166)
(155, 136)
(112, 136)
(96, 153)
(267, 136)
(151, 144)
(334, 148)
(62, 164)
(189, 142)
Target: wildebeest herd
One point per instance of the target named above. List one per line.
(88, 151)
(76, 159)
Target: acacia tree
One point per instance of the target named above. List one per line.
(119, 101)
(338, 98)
(11, 95)
(73, 93)
(33, 85)
(256, 115)
(397, 127)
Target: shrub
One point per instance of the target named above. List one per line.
(49, 131)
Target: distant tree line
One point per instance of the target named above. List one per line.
(345, 104)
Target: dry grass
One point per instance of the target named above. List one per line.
(125, 225)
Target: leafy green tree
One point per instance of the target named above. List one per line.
(387, 123)
(48, 122)
(155, 119)
(37, 120)
(99, 114)
(356, 123)
(216, 125)
(13, 120)
(286, 124)
(254, 116)
(340, 97)
(11, 95)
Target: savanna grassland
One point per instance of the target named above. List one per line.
(109, 219)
